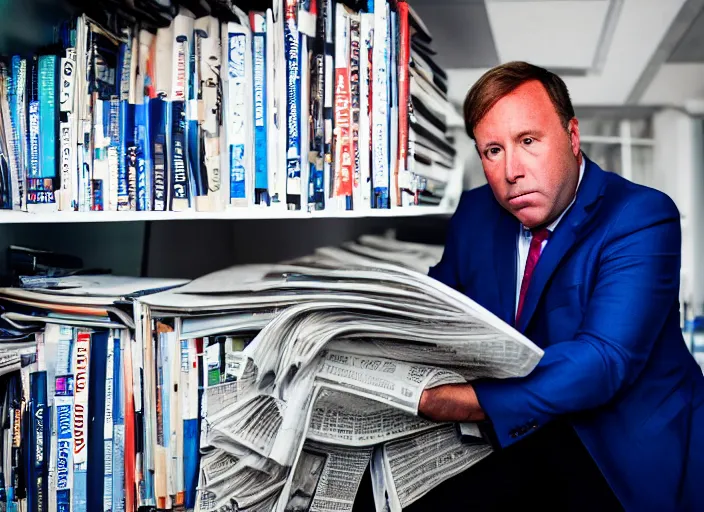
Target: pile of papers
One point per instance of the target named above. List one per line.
(331, 381)
(369, 250)
(258, 387)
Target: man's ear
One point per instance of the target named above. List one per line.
(573, 132)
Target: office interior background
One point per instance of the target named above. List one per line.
(635, 71)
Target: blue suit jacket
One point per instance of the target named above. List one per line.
(603, 303)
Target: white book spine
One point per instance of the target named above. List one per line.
(176, 420)
(180, 177)
(380, 99)
(118, 471)
(366, 42)
(81, 418)
(329, 96)
(304, 128)
(211, 107)
(63, 420)
(282, 116)
(393, 75)
(51, 498)
(237, 121)
(108, 426)
(21, 92)
(68, 164)
(68, 80)
(271, 104)
(12, 148)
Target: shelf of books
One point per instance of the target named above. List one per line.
(257, 213)
(198, 109)
(304, 109)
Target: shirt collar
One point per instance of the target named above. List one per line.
(553, 224)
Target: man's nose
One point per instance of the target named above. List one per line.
(514, 167)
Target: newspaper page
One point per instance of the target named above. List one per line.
(342, 418)
(243, 481)
(395, 383)
(253, 423)
(409, 468)
(327, 477)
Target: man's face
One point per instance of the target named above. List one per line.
(530, 161)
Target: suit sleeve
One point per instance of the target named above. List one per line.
(636, 288)
(446, 269)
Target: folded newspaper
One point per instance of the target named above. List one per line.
(329, 385)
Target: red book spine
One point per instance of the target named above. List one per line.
(130, 434)
(403, 94)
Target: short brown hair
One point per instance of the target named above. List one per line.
(504, 79)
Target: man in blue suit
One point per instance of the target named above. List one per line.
(587, 266)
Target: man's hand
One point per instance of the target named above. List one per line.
(451, 403)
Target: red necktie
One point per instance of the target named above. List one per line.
(539, 236)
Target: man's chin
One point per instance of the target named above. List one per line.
(530, 217)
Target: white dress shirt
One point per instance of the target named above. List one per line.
(525, 236)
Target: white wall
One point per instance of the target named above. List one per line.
(679, 172)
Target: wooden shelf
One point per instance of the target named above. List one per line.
(16, 217)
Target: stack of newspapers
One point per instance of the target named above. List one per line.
(299, 105)
(258, 388)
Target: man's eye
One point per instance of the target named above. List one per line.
(528, 141)
(493, 151)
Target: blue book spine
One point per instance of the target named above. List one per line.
(126, 120)
(158, 117)
(199, 177)
(127, 113)
(19, 67)
(38, 487)
(80, 486)
(316, 185)
(34, 139)
(125, 131)
(144, 161)
(33, 119)
(191, 458)
(16, 78)
(118, 415)
(47, 116)
(95, 473)
(178, 154)
(236, 67)
(179, 126)
(64, 460)
(260, 111)
(293, 102)
(13, 392)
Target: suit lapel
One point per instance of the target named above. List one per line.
(565, 236)
(504, 259)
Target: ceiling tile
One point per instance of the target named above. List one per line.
(549, 33)
(674, 84)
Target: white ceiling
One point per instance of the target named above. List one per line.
(545, 32)
(609, 52)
